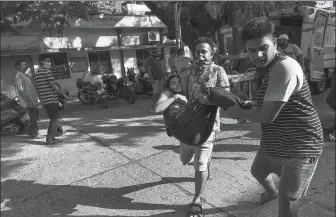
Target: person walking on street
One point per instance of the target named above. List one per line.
(28, 96)
(204, 73)
(155, 68)
(48, 92)
(291, 50)
(291, 131)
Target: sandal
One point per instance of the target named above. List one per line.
(196, 210)
(265, 198)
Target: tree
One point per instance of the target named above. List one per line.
(204, 18)
(56, 15)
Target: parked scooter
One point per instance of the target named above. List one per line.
(14, 118)
(144, 86)
(118, 89)
(89, 93)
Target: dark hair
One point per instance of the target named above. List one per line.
(257, 27)
(167, 83)
(41, 58)
(206, 40)
(17, 63)
(180, 51)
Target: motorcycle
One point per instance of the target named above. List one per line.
(118, 89)
(144, 86)
(61, 99)
(89, 93)
(14, 118)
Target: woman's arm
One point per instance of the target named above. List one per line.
(163, 102)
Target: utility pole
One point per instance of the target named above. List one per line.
(177, 25)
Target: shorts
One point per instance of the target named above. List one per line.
(157, 86)
(295, 173)
(202, 153)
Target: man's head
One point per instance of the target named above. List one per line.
(45, 62)
(205, 49)
(154, 52)
(260, 43)
(180, 52)
(283, 41)
(21, 66)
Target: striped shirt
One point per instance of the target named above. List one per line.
(296, 132)
(46, 92)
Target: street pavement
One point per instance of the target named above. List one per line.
(120, 162)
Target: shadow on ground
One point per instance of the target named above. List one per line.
(63, 200)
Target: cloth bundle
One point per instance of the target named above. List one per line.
(192, 122)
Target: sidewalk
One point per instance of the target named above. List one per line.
(120, 162)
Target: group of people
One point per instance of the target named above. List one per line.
(291, 132)
(36, 89)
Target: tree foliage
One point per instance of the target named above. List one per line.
(202, 18)
(52, 14)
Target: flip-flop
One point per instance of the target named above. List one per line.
(265, 198)
(198, 213)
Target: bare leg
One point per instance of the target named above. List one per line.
(262, 174)
(200, 181)
(288, 207)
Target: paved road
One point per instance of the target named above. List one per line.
(120, 162)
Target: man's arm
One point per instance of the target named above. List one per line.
(283, 82)
(51, 81)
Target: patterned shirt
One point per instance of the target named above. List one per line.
(296, 132)
(155, 68)
(213, 76)
(46, 92)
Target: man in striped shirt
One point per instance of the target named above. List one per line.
(48, 92)
(292, 138)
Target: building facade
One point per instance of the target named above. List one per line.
(105, 45)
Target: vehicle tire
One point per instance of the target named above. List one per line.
(129, 95)
(320, 87)
(82, 98)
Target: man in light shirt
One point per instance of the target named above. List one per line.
(28, 96)
(291, 50)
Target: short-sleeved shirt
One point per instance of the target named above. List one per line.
(296, 131)
(292, 50)
(46, 92)
(24, 84)
(216, 77)
(291, 75)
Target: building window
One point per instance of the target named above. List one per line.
(100, 63)
(59, 65)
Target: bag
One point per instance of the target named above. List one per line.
(190, 123)
(225, 99)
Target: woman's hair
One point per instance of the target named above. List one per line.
(167, 83)
(207, 40)
(257, 27)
